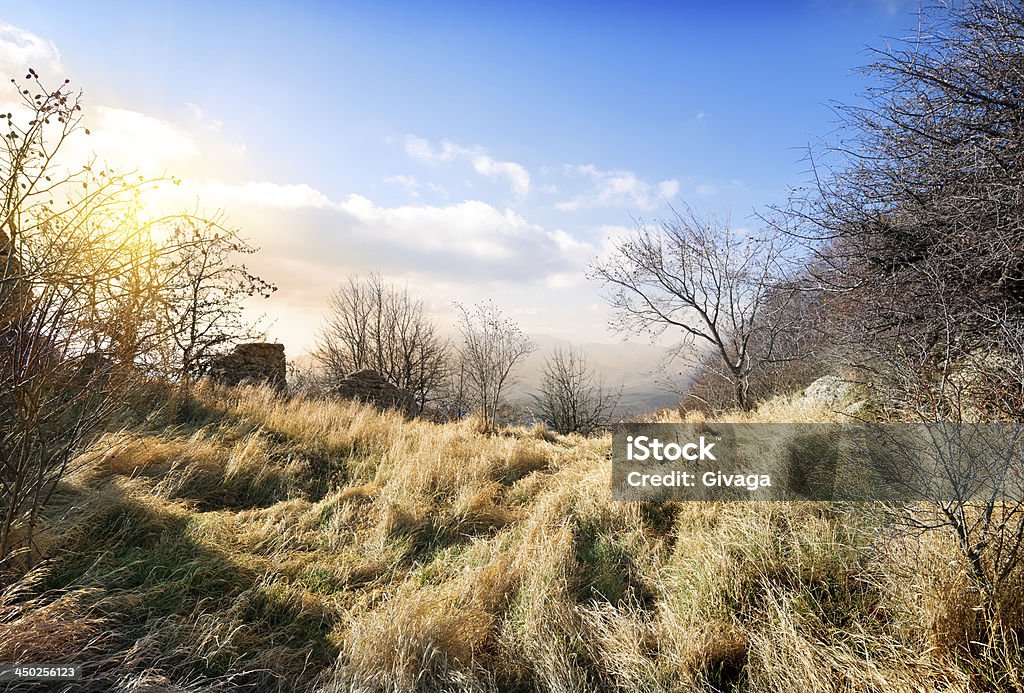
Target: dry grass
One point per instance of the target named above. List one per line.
(240, 540)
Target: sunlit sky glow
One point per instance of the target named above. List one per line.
(469, 151)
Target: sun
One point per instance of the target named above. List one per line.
(151, 209)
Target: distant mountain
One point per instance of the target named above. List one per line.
(633, 365)
(629, 364)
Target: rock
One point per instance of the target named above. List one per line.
(372, 387)
(254, 363)
(829, 390)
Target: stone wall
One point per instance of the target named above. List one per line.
(251, 363)
(372, 387)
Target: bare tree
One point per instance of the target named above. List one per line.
(572, 399)
(72, 257)
(917, 215)
(917, 210)
(84, 286)
(492, 348)
(202, 289)
(706, 281)
(801, 352)
(454, 400)
(372, 324)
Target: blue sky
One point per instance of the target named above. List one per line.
(467, 150)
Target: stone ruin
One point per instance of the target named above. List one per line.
(265, 363)
(254, 363)
(373, 388)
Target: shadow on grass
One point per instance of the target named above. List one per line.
(608, 572)
(175, 606)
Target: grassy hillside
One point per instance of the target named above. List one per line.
(241, 540)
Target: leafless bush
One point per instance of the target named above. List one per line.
(492, 347)
(371, 324)
(966, 483)
(71, 257)
(918, 219)
(572, 399)
(918, 211)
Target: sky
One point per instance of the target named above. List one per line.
(466, 151)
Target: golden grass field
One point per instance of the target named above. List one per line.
(237, 539)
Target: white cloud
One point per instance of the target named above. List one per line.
(21, 50)
(470, 240)
(710, 189)
(421, 150)
(410, 183)
(470, 228)
(262, 194)
(564, 281)
(447, 151)
(615, 189)
(439, 189)
(516, 175)
(130, 139)
(568, 244)
(668, 188)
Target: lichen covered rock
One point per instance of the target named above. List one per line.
(372, 387)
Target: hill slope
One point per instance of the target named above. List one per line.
(239, 540)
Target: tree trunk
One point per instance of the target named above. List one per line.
(742, 387)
